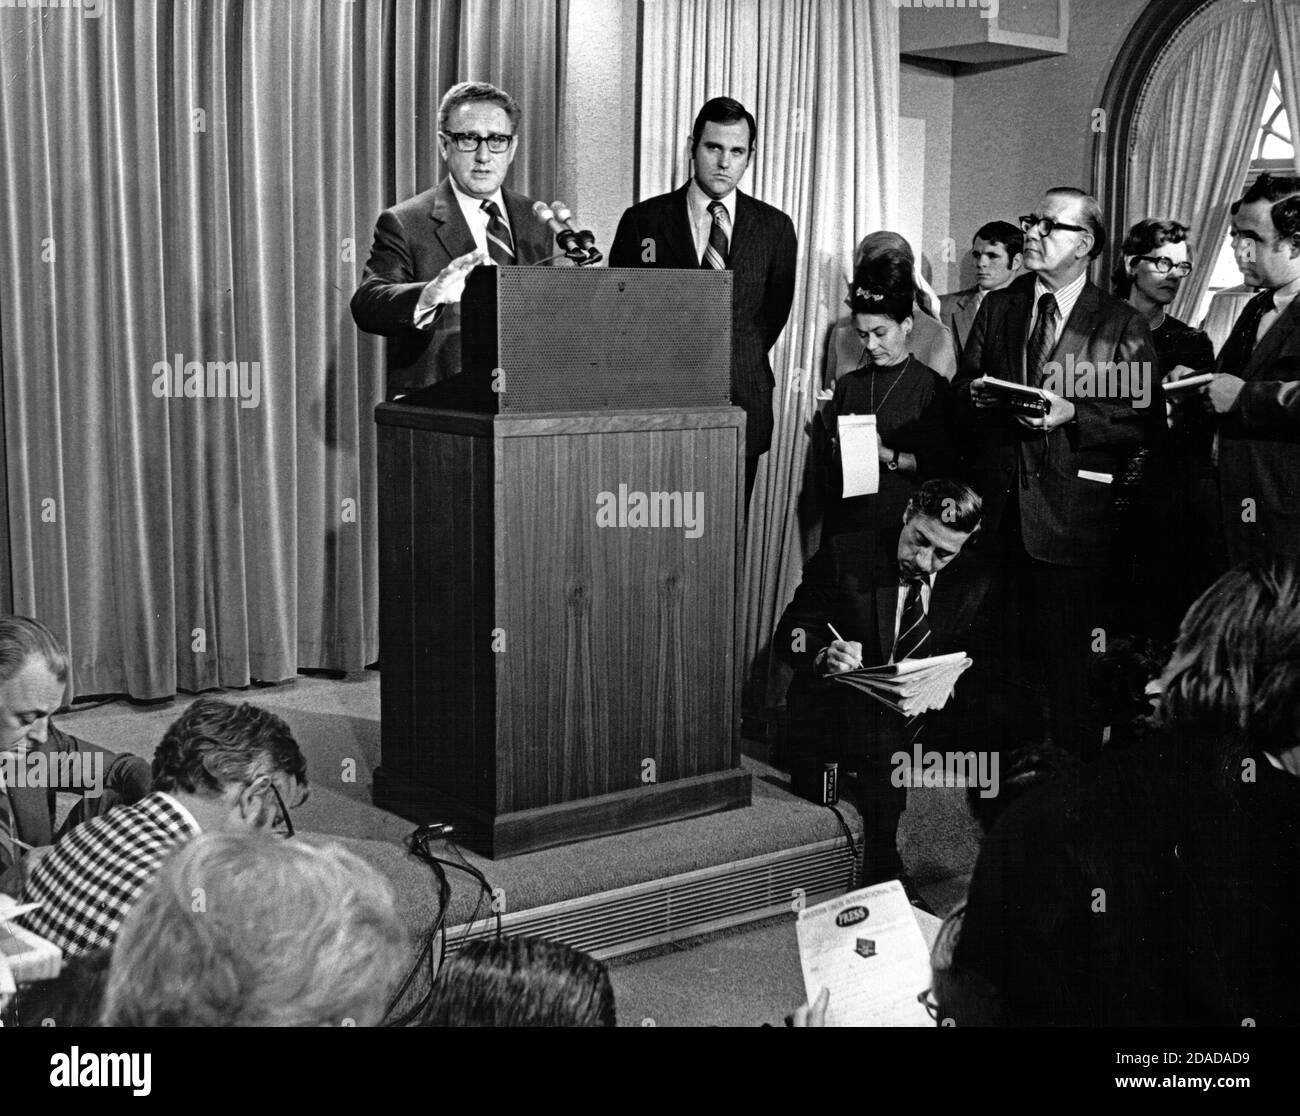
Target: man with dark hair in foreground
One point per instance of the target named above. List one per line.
(219, 767)
(884, 595)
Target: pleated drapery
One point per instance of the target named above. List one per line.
(188, 190)
(821, 77)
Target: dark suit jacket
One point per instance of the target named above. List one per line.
(957, 312)
(127, 779)
(657, 233)
(414, 241)
(1064, 517)
(853, 583)
(1259, 446)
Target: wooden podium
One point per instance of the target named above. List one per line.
(560, 548)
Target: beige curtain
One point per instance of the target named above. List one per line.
(202, 179)
(821, 76)
(1284, 17)
(1197, 125)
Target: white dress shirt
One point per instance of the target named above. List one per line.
(1066, 297)
(697, 209)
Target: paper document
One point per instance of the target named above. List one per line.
(867, 948)
(912, 686)
(859, 454)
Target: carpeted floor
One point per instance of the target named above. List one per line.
(744, 977)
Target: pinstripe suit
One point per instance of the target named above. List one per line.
(657, 233)
(414, 241)
(1047, 499)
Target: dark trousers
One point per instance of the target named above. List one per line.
(831, 722)
(1038, 627)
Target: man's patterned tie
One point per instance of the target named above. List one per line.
(501, 245)
(715, 255)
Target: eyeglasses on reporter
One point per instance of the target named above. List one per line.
(1045, 226)
(1164, 265)
(468, 142)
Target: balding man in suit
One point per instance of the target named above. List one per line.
(426, 247)
(709, 223)
(1048, 481)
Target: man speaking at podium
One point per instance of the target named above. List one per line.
(426, 246)
(708, 223)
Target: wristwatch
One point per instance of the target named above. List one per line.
(892, 463)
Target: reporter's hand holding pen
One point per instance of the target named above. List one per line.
(840, 655)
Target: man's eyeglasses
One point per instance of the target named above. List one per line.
(1046, 226)
(282, 824)
(1164, 265)
(469, 141)
(926, 1000)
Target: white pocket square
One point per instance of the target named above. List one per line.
(1102, 478)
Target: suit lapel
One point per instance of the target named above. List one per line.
(449, 222)
(1017, 328)
(681, 241)
(742, 235)
(1078, 329)
(965, 316)
(1265, 353)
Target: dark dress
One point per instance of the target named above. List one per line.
(1165, 504)
(911, 405)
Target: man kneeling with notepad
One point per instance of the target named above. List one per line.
(869, 599)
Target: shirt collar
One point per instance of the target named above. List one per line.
(180, 809)
(1066, 297)
(699, 202)
(474, 206)
(1283, 296)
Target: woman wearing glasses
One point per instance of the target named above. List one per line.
(1164, 500)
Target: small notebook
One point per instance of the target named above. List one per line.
(912, 686)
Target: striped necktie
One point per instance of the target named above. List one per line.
(1041, 341)
(913, 642)
(715, 255)
(8, 848)
(501, 245)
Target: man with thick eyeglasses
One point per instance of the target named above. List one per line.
(1048, 480)
(219, 767)
(426, 246)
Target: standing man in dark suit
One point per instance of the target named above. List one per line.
(426, 246)
(883, 593)
(709, 223)
(1256, 388)
(1048, 481)
(996, 249)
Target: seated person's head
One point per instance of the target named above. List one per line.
(939, 520)
(1233, 679)
(241, 929)
(1121, 685)
(1023, 769)
(522, 982)
(239, 762)
(33, 677)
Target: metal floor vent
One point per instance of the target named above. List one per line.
(645, 915)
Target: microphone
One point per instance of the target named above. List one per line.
(586, 238)
(565, 235)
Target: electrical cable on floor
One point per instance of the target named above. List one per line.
(417, 846)
(853, 867)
